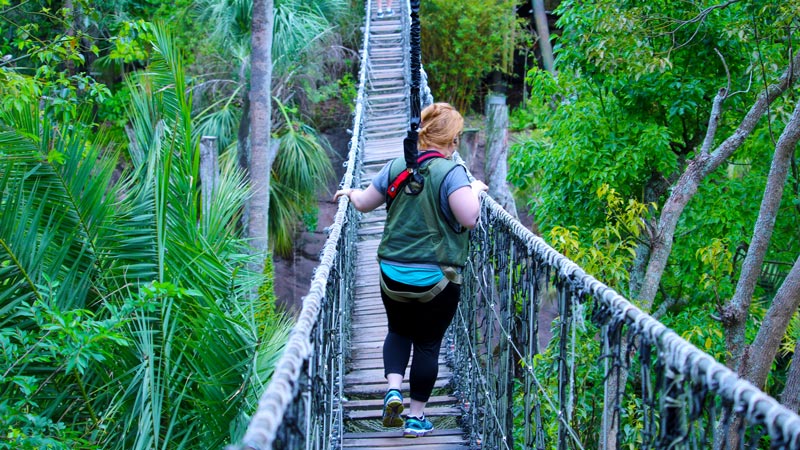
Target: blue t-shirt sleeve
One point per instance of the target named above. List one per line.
(455, 180)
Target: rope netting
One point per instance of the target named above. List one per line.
(610, 376)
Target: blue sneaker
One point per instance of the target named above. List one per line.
(392, 408)
(417, 427)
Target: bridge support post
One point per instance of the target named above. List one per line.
(468, 146)
(209, 171)
(496, 161)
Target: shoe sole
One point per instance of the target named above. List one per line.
(391, 414)
(416, 433)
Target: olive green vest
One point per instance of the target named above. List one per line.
(416, 229)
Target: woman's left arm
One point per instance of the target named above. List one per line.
(466, 205)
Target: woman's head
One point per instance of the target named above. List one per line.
(440, 128)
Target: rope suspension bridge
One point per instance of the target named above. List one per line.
(501, 384)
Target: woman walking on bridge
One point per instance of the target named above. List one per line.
(423, 249)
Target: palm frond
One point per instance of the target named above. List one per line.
(296, 32)
(221, 120)
(284, 211)
(67, 172)
(302, 161)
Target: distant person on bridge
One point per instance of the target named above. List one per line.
(387, 12)
(423, 249)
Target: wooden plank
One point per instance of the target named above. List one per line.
(366, 353)
(381, 324)
(379, 386)
(436, 440)
(379, 321)
(370, 335)
(370, 376)
(376, 413)
(375, 363)
(437, 401)
(367, 320)
(422, 444)
(368, 302)
(382, 434)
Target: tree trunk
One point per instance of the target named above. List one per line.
(734, 315)
(243, 153)
(790, 397)
(638, 269)
(773, 328)
(543, 30)
(698, 168)
(758, 363)
(261, 152)
(496, 163)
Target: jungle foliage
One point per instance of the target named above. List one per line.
(127, 318)
(464, 42)
(626, 113)
(629, 108)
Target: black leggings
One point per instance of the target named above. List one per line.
(421, 325)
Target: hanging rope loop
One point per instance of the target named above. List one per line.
(410, 151)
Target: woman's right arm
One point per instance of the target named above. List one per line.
(363, 200)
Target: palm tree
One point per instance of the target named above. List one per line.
(303, 31)
(126, 313)
(262, 152)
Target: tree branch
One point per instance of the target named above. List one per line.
(734, 314)
(773, 328)
(713, 121)
(700, 17)
(790, 397)
(696, 170)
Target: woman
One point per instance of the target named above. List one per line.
(421, 254)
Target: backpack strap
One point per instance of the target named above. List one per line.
(402, 178)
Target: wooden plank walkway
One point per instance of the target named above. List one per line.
(365, 385)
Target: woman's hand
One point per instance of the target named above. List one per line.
(362, 200)
(341, 192)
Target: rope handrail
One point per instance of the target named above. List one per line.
(496, 354)
(685, 357)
